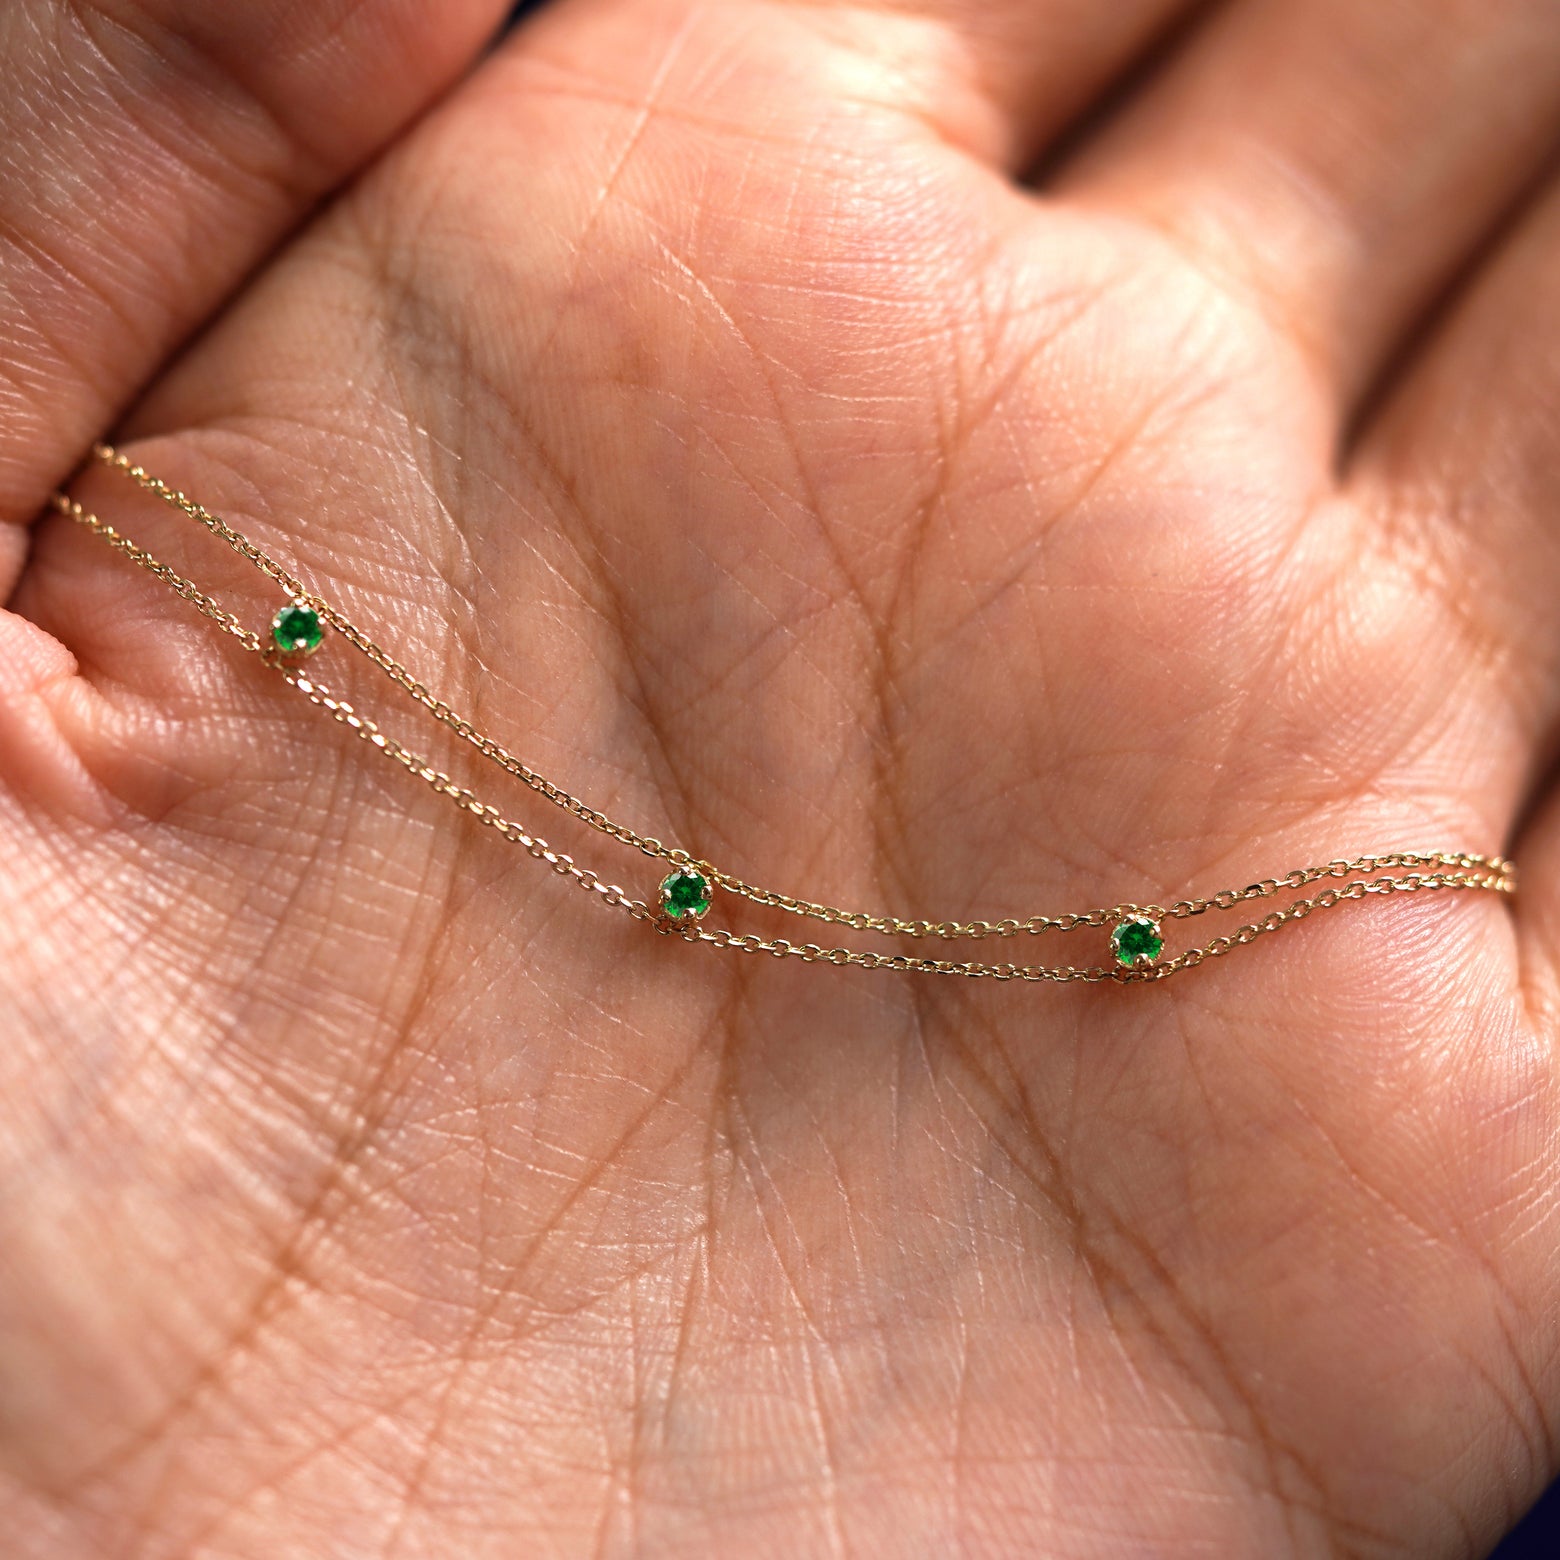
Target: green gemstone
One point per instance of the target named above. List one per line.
(685, 894)
(1134, 939)
(297, 630)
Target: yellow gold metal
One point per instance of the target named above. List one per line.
(1390, 873)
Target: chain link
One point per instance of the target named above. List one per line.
(1499, 881)
(1421, 870)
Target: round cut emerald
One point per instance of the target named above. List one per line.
(685, 894)
(1136, 941)
(297, 630)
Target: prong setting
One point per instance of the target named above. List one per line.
(296, 629)
(1136, 941)
(685, 895)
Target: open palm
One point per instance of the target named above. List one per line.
(697, 401)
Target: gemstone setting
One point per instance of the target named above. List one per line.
(297, 630)
(1137, 942)
(686, 895)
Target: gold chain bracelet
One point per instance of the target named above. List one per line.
(1135, 932)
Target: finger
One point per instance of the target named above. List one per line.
(1337, 162)
(152, 151)
(1464, 464)
(1001, 77)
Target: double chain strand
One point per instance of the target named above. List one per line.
(1134, 929)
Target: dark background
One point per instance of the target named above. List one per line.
(1538, 1538)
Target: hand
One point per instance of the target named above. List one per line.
(699, 402)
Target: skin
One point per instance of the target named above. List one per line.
(958, 460)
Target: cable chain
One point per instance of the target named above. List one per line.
(1452, 870)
